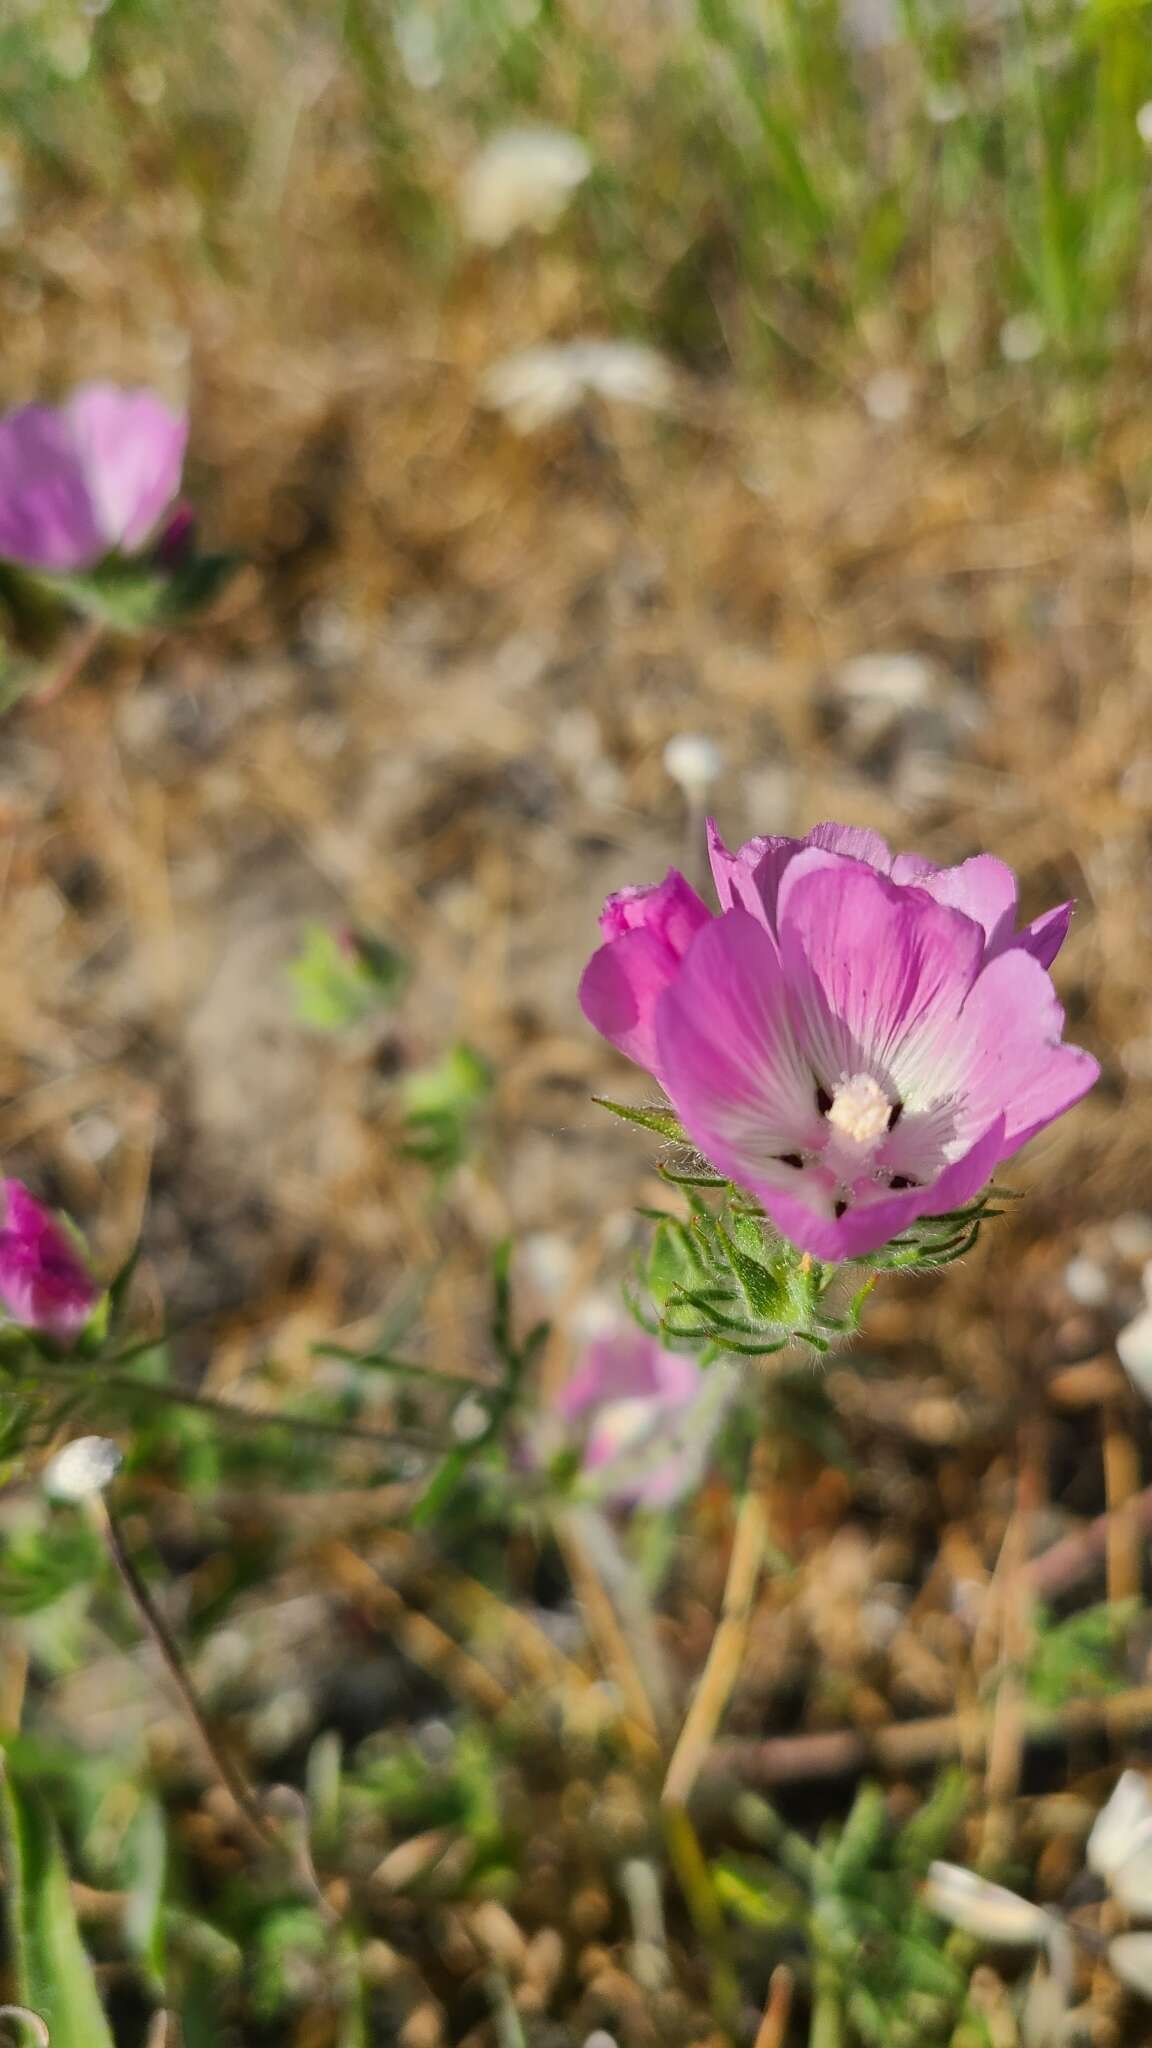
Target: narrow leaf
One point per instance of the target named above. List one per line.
(53, 1973)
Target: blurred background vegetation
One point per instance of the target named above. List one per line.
(294, 908)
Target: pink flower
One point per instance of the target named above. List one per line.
(857, 1039)
(87, 478)
(646, 1417)
(45, 1284)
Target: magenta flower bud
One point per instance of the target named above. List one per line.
(857, 1040)
(648, 931)
(644, 1417)
(45, 1284)
(88, 478)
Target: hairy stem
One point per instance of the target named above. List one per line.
(227, 1770)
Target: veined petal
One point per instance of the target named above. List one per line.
(877, 974)
(1013, 1059)
(670, 909)
(983, 888)
(647, 931)
(728, 1057)
(856, 842)
(867, 1224)
(619, 990)
(750, 878)
(130, 446)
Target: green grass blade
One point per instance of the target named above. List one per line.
(53, 1971)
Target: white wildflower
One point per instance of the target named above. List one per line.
(694, 762)
(521, 179)
(538, 386)
(1144, 124)
(888, 396)
(83, 1468)
(1022, 338)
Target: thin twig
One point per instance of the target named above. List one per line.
(603, 1625)
(91, 1377)
(903, 1746)
(774, 2025)
(722, 1669)
(227, 1770)
(749, 1546)
(1076, 1557)
(1122, 1486)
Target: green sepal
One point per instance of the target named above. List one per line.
(664, 1122)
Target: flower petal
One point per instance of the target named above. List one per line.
(1045, 935)
(856, 842)
(47, 519)
(1117, 1828)
(728, 1057)
(131, 448)
(1130, 1956)
(619, 990)
(877, 973)
(988, 1911)
(647, 931)
(670, 909)
(1014, 1060)
(867, 1225)
(983, 888)
(750, 878)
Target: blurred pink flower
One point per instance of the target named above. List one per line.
(87, 478)
(644, 1417)
(857, 1039)
(45, 1284)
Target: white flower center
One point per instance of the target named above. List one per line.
(860, 1110)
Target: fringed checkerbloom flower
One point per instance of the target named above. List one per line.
(45, 1284)
(643, 1418)
(857, 1040)
(89, 478)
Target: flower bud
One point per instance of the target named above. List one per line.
(83, 1468)
(45, 1284)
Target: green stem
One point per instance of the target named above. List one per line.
(91, 1379)
(827, 2028)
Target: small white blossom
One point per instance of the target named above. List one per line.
(888, 396)
(521, 179)
(1120, 1845)
(989, 1911)
(83, 1468)
(1131, 1957)
(1087, 1282)
(1022, 338)
(1134, 1349)
(1144, 124)
(695, 762)
(538, 386)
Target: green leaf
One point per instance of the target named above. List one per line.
(342, 978)
(138, 596)
(53, 1971)
(145, 1871)
(765, 1290)
(674, 1263)
(664, 1122)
